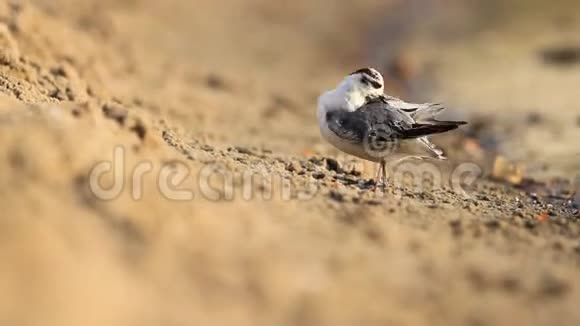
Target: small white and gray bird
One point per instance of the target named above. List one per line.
(359, 119)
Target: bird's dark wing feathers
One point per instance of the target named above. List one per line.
(402, 125)
(347, 126)
(384, 123)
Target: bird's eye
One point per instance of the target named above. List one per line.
(366, 81)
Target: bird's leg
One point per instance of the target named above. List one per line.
(384, 169)
(379, 175)
(381, 178)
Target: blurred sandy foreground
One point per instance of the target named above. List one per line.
(192, 83)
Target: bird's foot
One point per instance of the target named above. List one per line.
(381, 183)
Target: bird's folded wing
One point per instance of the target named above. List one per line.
(347, 126)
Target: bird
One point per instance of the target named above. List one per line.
(358, 118)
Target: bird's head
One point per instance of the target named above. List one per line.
(353, 90)
(356, 87)
(367, 81)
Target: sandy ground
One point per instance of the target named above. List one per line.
(191, 100)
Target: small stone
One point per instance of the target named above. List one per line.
(551, 286)
(216, 82)
(243, 150)
(115, 112)
(366, 184)
(293, 167)
(492, 224)
(373, 202)
(534, 118)
(337, 196)
(318, 175)
(456, 227)
(332, 165)
(530, 225)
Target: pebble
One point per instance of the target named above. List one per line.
(293, 167)
(243, 150)
(318, 175)
(492, 224)
(337, 196)
(530, 225)
(332, 165)
(534, 118)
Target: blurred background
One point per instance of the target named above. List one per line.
(235, 83)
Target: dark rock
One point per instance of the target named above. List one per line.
(373, 202)
(492, 224)
(243, 150)
(551, 286)
(115, 112)
(293, 167)
(139, 129)
(216, 82)
(337, 196)
(530, 225)
(318, 175)
(510, 284)
(557, 246)
(534, 118)
(366, 184)
(332, 165)
(564, 55)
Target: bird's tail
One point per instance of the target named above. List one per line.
(431, 128)
(427, 112)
